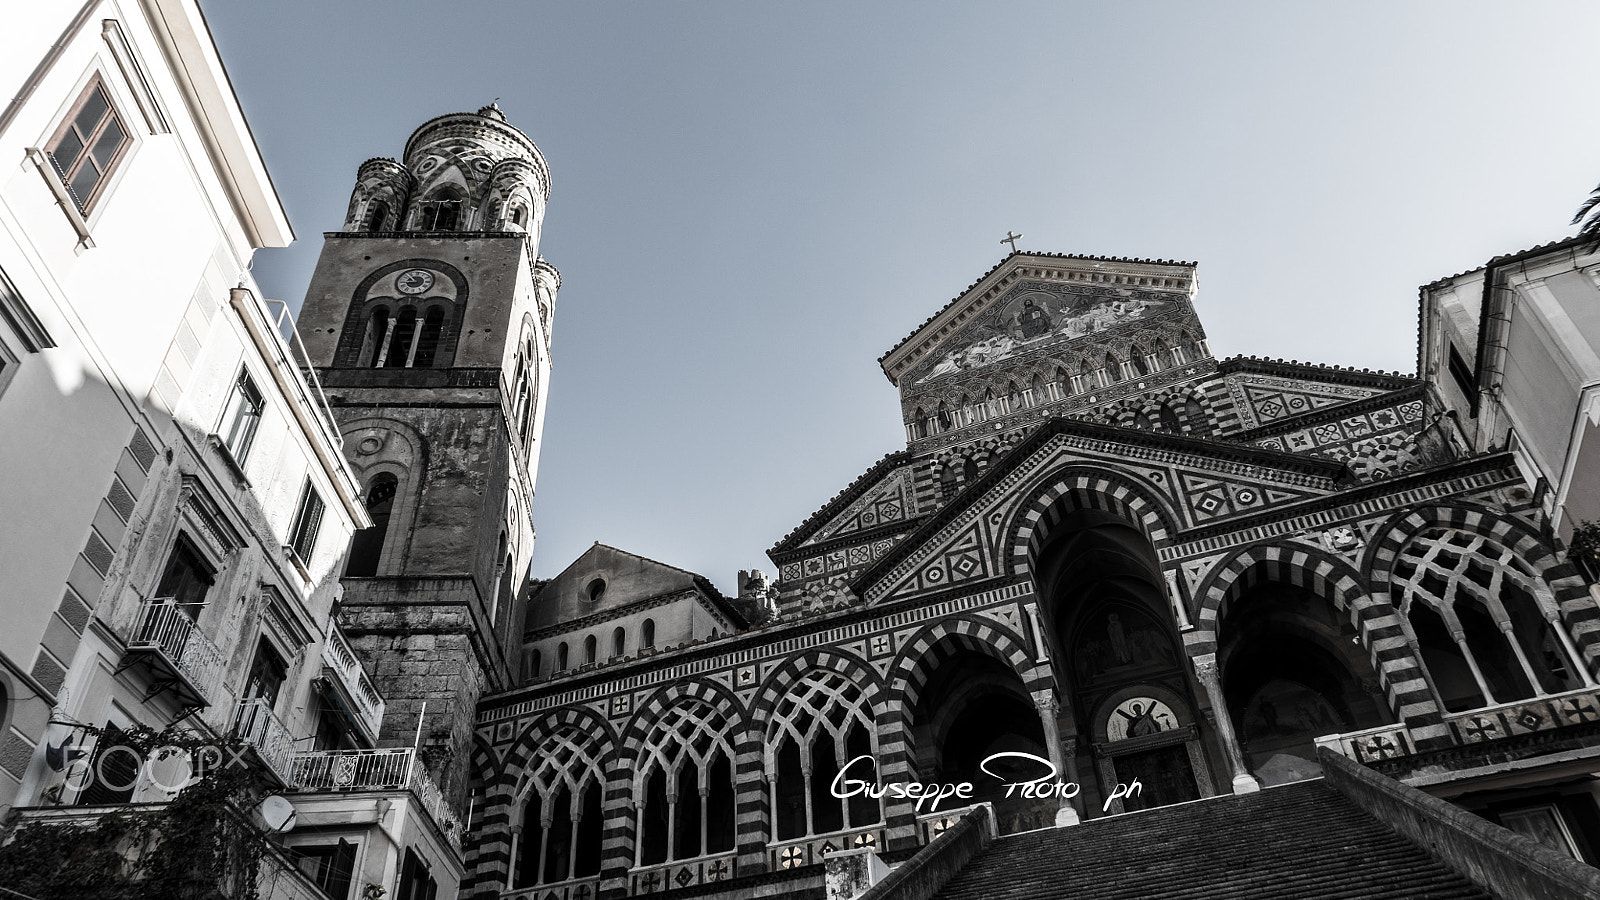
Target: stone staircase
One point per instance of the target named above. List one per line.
(1301, 840)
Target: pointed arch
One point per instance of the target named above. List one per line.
(1059, 493)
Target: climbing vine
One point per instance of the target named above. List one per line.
(198, 846)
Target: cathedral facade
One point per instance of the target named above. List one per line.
(1106, 563)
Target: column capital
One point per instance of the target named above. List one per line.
(1205, 665)
(1045, 701)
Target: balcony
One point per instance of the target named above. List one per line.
(268, 738)
(396, 769)
(345, 683)
(178, 654)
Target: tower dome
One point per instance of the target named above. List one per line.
(459, 172)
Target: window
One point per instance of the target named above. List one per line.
(242, 417)
(114, 768)
(330, 866)
(307, 521)
(416, 882)
(267, 674)
(366, 548)
(1462, 373)
(591, 649)
(185, 579)
(561, 657)
(619, 642)
(440, 214)
(88, 145)
(535, 665)
(597, 590)
(428, 339)
(684, 785)
(647, 635)
(377, 215)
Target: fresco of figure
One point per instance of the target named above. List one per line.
(1033, 321)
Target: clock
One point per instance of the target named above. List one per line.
(414, 282)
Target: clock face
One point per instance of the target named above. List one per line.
(415, 281)
(1138, 717)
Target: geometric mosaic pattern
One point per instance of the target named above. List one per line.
(887, 504)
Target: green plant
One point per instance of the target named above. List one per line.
(199, 846)
(1584, 548)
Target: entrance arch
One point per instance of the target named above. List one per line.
(1293, 669)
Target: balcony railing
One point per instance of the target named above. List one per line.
(183, 653)
(255, 724)
(395, 769)
(344, 672)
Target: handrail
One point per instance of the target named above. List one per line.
(164, 626)
(341, 658)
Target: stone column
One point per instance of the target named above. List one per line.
(1066, 768)
(1205, 667)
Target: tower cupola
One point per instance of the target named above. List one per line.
(462, 172)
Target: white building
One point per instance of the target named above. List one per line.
(179, 505)
(1514, 348)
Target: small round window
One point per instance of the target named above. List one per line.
(596, 590)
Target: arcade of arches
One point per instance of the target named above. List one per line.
(1104, 673)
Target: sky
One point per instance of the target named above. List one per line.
(753, 201)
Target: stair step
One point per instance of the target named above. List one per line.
(1302, 840)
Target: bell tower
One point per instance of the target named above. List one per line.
(428, 318)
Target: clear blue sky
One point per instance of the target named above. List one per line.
(753, 201)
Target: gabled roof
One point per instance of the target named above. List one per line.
(1017, 256)
(709, 590)
(844, 498)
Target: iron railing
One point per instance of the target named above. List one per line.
(338, 656)
(166, 628)
(394, 769)
(255, 724)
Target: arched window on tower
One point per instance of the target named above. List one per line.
(525, 398)
(647, 635)
(619, 642)
(441, 212)
(591, 650)
(561, 657)
(428, 338)
(366, 546)
(377, 216)
(535, 665)
(518, 217)
(822, 724)
(375, 340)
(400, 343)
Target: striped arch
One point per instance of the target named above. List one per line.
(781, 679)
(1567, 587)
(920, 656)
(715, 695)
(934, 644)
(490, 862)
(1078, 488)
(1375, 620)
(487, 845)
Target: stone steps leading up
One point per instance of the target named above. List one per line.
(1302, 840)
